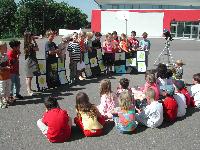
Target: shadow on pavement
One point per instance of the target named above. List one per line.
(189, 112)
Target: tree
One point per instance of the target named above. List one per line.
(8, 9)
(41, 15)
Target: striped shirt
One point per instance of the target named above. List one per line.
(75, 51)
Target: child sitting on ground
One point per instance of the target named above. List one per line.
(162, 76)
(124, 117)
(181, 101)
(123, 86)
(4, 76)
(152, 115)
(150, 83)
(180, 85)
(55, 124)
(88, 119)
(195, 90)
(170, 106)
(108, 99)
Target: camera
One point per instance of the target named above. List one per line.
(167, 35)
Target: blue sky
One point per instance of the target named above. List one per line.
(85, 5)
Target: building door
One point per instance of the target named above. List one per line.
(185, 29)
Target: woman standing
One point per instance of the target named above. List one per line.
(31, 63)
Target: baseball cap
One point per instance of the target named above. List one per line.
(168, 88)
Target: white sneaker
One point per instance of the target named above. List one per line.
(30, 93)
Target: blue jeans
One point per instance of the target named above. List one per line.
(15, 84)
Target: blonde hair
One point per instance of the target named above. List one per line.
(82, 33)
(108, 34)
(89, 35)
(105, 87)
(2, 43)
(151, 94)
(150, 78)
(49, 32)
(125, 100)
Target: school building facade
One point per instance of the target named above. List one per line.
(180, 17)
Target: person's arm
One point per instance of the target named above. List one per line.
(35, 47)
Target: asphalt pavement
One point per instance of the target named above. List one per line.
(18, 129)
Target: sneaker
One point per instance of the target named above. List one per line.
(30, 93)
(19, 96)
(81, 78)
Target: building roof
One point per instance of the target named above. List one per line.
(152, 2)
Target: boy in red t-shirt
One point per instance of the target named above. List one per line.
(55, 124)
(13, 57)
(170, 106)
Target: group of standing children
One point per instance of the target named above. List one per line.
(9, 73)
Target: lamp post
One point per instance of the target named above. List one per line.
(43, 17)
(126, 26)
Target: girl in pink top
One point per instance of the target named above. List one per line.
(108, 99)
(150, 83)
(108, 49)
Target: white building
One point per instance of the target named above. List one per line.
(181, 17)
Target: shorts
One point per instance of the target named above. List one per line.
(109, 59)
(5, 87)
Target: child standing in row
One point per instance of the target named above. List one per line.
(108, 50)
(13, 57)
(4, 76)
(55, 124)
(75, 57)
(134, 43)
(88, 119)
(152, 115)
(63, 46)
(124, 44)
(108, 99)
(125, 117)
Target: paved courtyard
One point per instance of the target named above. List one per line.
(18, 129)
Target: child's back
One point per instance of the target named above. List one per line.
(152, 114)
(124, 117)
(58, 130)
(195, 92)
(108, 103)
(185, 92)
(126, 121)
(55, 124)
(170, 108)
(181, 101)
(88, 119)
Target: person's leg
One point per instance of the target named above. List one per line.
(12, 77)
(42, 126)
(28, 83)
(17, 84)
